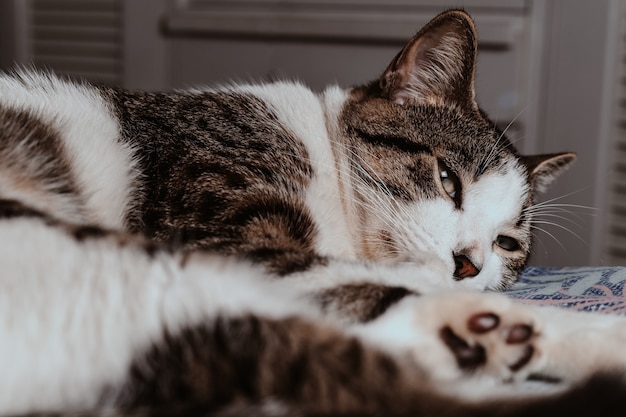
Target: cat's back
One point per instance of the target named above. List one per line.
(243, 168)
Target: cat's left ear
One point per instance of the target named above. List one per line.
(437, 65)
(544, 169)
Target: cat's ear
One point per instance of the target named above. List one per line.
(437, 65)
(544, 169)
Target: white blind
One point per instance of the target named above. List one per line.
(615, 172)
(79, 38)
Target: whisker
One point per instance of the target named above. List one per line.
(539, 241)
(560, 226)
(562, 208)
(562, 197)
(565, 206)
(380, 205)
(561, 213)
(551, 235)
(539, 217)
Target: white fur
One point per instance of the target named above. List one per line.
(306, 115)
(71, 324)
(424, 278)
(90, 135)
(73, 314)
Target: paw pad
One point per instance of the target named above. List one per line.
(519, 333)
(483, 322)
(467, 357)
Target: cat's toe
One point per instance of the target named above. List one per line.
(467, 356)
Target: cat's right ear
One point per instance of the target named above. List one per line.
(437, 65)
(544, 169)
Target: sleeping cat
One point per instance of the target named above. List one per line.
(260, 249)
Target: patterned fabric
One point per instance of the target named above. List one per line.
(599, 289)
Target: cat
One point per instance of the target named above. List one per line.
(264, 250)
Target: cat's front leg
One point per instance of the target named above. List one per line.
(459, 336)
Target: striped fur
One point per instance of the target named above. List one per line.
(269, 249)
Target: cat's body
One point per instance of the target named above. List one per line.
(276, 162)
(264, 245)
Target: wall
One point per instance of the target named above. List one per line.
(571, 119)
(8, 34)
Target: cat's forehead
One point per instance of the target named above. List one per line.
(467, 141)
(506, 189)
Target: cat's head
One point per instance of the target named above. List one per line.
(431, 173)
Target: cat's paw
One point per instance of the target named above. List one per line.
(490, 340)
(491, 335)
(463, 335)
(459, 335)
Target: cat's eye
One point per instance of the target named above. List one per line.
(507, 243)
(450, 183)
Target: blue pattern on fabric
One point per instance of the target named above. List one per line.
(599, 289)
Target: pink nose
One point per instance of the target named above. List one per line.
(464, 267)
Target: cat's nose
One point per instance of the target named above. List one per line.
(464, 267)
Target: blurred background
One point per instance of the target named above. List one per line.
(551, 72)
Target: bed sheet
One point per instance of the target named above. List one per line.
(598, 289)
